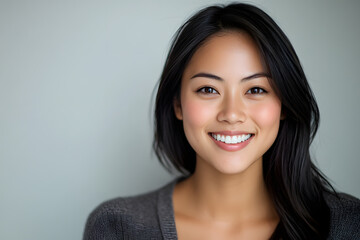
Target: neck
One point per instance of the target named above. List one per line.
(224, 197)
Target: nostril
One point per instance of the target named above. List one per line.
(232, 116)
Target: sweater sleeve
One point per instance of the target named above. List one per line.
(104, 223)
(345, 217)
(125, 218)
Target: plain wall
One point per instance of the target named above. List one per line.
(76, 79)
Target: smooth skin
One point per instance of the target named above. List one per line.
(225, 87)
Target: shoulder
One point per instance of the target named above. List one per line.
(344, 216)
(134, 217)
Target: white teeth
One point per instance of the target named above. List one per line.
(231, 139)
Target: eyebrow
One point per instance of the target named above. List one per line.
(212, 76)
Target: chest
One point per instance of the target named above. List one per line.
(189, 229)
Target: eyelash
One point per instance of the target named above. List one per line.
(205, 90)
(210, 90)
(258, 90)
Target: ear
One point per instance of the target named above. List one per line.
(177, 109)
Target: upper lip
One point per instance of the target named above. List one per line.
(231, 133)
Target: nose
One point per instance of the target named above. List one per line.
(232, 110)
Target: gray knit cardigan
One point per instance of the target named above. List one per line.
(151, 216)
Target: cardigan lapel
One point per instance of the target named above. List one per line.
(165, 211)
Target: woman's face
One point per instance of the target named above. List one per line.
(230, 113)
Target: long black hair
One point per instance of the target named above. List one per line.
(293, 181)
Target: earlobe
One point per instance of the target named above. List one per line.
(177, 109)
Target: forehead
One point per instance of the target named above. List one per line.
(227, 52)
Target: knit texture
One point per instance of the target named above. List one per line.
(151, 216)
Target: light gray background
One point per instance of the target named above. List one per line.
(75, 89)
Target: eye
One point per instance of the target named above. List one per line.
(207, 90)
(256, 90)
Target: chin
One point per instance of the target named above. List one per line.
(236, 166)
(232, 168)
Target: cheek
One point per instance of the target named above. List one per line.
(267, 114)
(196, 113)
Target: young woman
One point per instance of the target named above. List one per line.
(234, 114)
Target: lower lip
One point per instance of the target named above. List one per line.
(232, 147)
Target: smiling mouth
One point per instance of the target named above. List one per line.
(234, 139)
